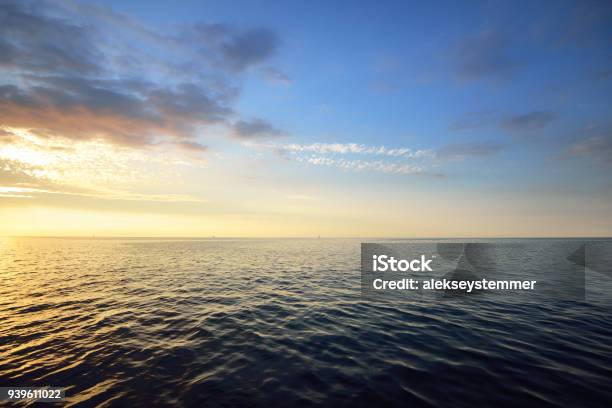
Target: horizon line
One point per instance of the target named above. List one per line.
(213, 237)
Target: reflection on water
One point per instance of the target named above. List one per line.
(279, 322)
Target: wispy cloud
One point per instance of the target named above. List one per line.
(36, 166)
(398, 160)
(343, 156)
(350, 148)
(484, 55)
(473, 120)
(528, 121)
(362, 165)
(462, 151)
(30, 192)
(276, 76)
(597, 147)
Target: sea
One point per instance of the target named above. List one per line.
(283, 322)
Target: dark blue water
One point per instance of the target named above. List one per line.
(281, 323)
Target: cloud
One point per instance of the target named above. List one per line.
(528, 121)
(233, 48)
(193, 146)
(99, 170)
(596, 147)
(255, 128)
(85, 72)
(36, 42)
(250, 47)
(7, 137)
(363, 165)
(31, 192)
(587, 25)
(350, 148)
(473, 120)
(340, 155)
(16, 173)
(484, 55)
(523, 122)
(275, 76)
(118, 111)
(462, 151)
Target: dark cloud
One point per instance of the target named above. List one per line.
(462, 151)
(484, 55)
(255, 128)
(528, 121)
(233, 48)
(66, 73)
(187, 101)
(122, 112)
(33, 41)
(249, 47)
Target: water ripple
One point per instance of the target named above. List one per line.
(277, 323)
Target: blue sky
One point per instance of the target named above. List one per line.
(464, 104)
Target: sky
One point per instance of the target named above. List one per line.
(305, 119)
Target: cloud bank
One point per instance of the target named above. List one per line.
(84, 72)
